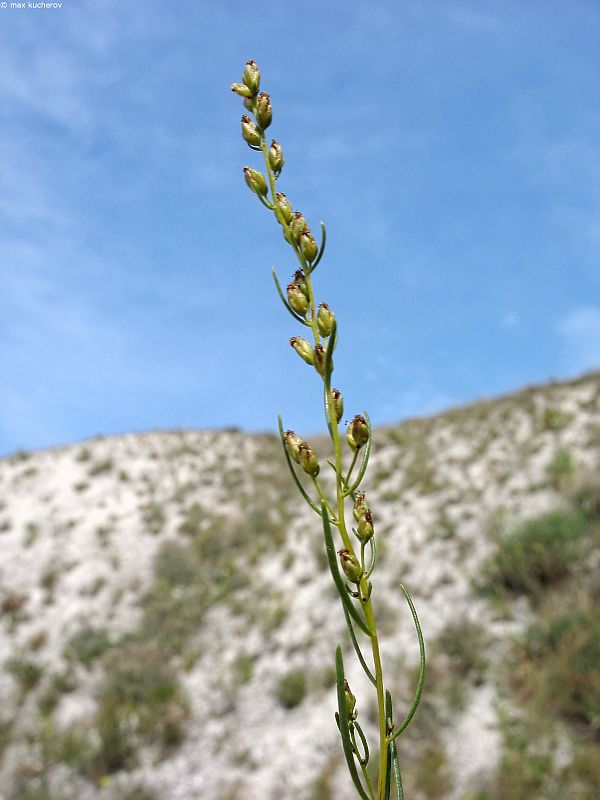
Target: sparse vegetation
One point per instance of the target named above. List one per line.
(291, 688)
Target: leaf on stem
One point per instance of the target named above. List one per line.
(421, 680)
(321, 249)
(343, 723)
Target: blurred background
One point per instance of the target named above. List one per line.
(450, 147)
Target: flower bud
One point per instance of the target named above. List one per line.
(350, 565)
(365, 527)
(251, 76)
(241, 89)
(325, 317)
(297, 226)
(304, 349)
(350, 702)
(360, 507)
(292, 445)
(320, 358)
(276, 159)
(300, 280)
(357, 432)
(250, 104)
(250, 132)
(297, 299)
(264, 110)
(284, 205)
(308, 246)
(308, 460)
(255, 180)
(338, 404)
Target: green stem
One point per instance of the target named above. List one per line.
(383, 742)
(341, 485)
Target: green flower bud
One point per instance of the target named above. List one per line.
(250, 104)
(264, 110)
(251, 76)
(365, 527)
(284, 205)
(241, 89)
(308, 460)
(308, 246)
(351, 567)
(276, 159)
(357, 432)
(297, 299)
(350, 702)
(325, 317)
(338, 404)
(292, 445)
(255, 180)
(297, 226)
(320, 358)
(250, 132)
(304, 349)
(300, 280)
(360, 507)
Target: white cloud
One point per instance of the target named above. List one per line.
(580, 331)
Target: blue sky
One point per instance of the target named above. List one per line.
(451, 148)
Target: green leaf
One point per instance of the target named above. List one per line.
(421, 680)
(344, 723)
(321, 249)
(363, 663)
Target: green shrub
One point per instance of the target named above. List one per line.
(561, 469)
(153, 517)
(559, 667)
(27, 673)
(464, 643)
(87, 645)
(291, 688)
(540, 553)
(553, 419)
(140, 701)
(100, 467)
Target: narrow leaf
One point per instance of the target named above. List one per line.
(363, 663)
(343, 719)
(396, 771)
(321, 249)
(421, 679)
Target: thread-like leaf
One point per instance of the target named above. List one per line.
(343, 723)
(335, 574)
(364, 759)
(329, 353)
(396, 771)
(421, 679)
(369, 571)
(321, 249)
(359, 654)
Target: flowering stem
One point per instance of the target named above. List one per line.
(356, 598)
